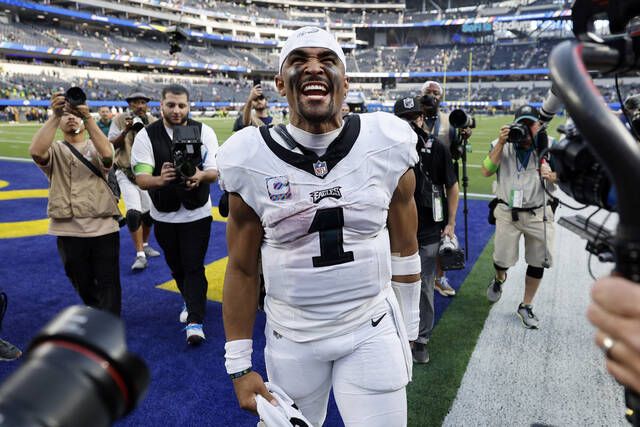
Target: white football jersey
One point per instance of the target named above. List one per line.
(326, 253)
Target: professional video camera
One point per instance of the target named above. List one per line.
(75, 96)
(186, 150)
(631, 109)
(579, 174)
(612, 144)
(77, 373)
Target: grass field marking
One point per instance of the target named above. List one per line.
(13, 141)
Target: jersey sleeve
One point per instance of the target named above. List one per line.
(210, 148)
(142, 160)
(232, 173)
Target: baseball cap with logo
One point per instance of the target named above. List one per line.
(310, 37)
(526, 112)
(407, 105)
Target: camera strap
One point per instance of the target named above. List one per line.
(87, 163)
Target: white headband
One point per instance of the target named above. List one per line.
(310, 37)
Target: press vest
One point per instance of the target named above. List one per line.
(170, 197)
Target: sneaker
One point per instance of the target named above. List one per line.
(525, 313)
(150, 252)
(8, 351)
(184, 314)
(420, 353)
(195, 335)
(444, 288)
(139, 264)
(494, 291)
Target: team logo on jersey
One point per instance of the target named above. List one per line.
(334, 192)
(320, 168)
(278, 188)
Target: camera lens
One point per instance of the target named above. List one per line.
(138, 124)
(77, 372)
(75, 96)
(517, 133)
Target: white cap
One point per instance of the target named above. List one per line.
(310, 37)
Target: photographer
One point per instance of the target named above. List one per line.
(436, 122)
(137, 203)
(81, 205)
(515, 157)
(255, 111)
(181, 206)
(435, 176)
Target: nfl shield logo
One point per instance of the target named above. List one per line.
(320, 168)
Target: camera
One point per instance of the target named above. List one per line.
(186, 150)
(579, 174)
(459, 119)
(75, 96)
(77, 372)
(518, 133)
(138, 123)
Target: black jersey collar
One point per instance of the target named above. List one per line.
(309, 161)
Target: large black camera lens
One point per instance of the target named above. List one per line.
(77, 373)
(517, 133)
(459, 119)
(75, 96)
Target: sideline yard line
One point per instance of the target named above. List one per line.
(16, 159)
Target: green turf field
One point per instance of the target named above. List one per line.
(15, 139)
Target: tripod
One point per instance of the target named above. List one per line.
(460, 152)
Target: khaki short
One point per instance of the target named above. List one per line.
(508, 232)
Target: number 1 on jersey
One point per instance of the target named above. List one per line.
(329, 223)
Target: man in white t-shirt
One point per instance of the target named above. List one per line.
(181, 206)
(328, 203)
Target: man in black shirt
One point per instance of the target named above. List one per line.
(435, 178)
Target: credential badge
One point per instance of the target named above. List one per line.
(320, 168)
(278, 188)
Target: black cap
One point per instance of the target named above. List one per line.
(137, 95)
(407, 106)
(527, 112)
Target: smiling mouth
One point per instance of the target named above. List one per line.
(315, 89)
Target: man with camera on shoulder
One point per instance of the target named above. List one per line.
(436, 123)
(121, 134)
(81, 205)
(174, 159)
(522, 208)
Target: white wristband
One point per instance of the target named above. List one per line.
(405, 265)
(237, 355)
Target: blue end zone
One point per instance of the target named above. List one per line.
(189, 386)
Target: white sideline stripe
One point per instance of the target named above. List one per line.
(551, 376)
(16, 159)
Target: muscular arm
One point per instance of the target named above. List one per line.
(240, 291)
(403, 222)
(42, 140)
(496, 153)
